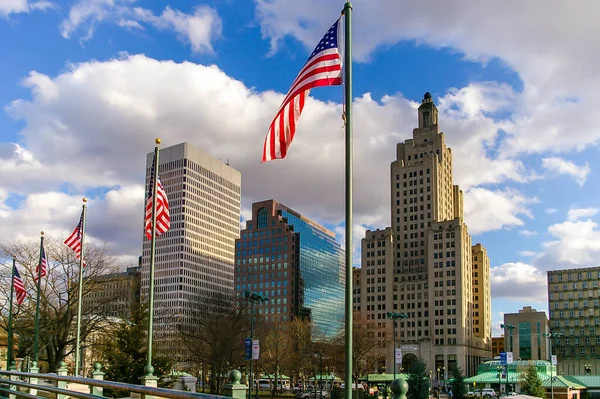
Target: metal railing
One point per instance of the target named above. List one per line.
(17, 384)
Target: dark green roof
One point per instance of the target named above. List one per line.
(381, 377)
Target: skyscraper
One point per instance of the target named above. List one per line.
(296, 263)
(194, 259)
(430, 268)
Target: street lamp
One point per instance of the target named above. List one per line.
(438, 377)
(551, 335)
(444, 377)
(588, 369)
(508, 327)
(499, 369)
(395, 316)
(253, 297)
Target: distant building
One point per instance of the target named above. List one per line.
(296, 263)
(574, 305)
(114, 294)
(497, 346)
(356, 273)
(526, 341)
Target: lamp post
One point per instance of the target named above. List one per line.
(253, 297)
(508, 327)
(551, 335)
(499, 369)
(438, 377)
(444, 377)
(588, 369)
(395, 316)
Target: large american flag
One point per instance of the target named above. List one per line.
(323, 68)
(74, 240)
(163, 218)
(19, 287)
(42, 269)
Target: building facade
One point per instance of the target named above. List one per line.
(526, 340)
(294, 262)
(574, 305)
(115, 294)
(195, 259)
(423, 264)
(497, 346)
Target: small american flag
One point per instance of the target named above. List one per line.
(19, 287)
(163, 218)
(74, 240)
(323, 68)
(42, 269)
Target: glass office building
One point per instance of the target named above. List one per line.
(296, 263)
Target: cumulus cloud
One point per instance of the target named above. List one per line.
(8, 7)
(580, 213)
(528, 233)
(487, 210)
(560, 166)
(518, 282)
(199, 28)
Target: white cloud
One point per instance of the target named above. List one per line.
(518, 282)
(560, 166)
(487, 210)
(579, 213)
(527, 253)
(550, 211)
(199, 28)
(528, 233)
(8, 7)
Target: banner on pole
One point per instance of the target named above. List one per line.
(398, 355)
(554, 360)
(247, 348)
(502, 358)
(255, 349)
(509, 357)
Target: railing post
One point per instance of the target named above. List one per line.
(97, 374)
(13, 367)
(33, 380)
(149, 381)
(62, 371)
(234, 389)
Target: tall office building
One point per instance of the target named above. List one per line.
(428, 259)
(294, 262)
(195, 258)
(115, 294)
(574, 306)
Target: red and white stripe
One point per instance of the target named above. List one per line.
(163, 218)
(74, 240)
(19, 287)
(324, 69)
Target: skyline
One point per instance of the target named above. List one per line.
(514, 102)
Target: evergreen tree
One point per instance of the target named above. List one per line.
(418, 381)
(532, 384)
(125, 354)
(459, 390)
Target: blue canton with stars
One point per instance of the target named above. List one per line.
(328, 41)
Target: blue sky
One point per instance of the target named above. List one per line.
(88, 85)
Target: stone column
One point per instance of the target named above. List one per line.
(33, 380)
(234, 389)
(63, 372)
(97, 374)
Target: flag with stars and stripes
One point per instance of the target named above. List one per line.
(42, 269)
(74, 240)
(323, 68)
(163, 218)
(19, 287)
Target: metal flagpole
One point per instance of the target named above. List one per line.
(80, 291)
(348, 116)
(37, 306)
(9, 356)
(149, 369)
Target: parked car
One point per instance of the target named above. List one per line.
(311, 394)
(485, 392)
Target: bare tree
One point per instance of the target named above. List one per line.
(276, 346)
(58, 296)
(215, 335)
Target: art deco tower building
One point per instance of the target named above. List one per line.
(430, 270)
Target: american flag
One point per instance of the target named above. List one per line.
(323, 68)
(19, 287)
(74, 240)
(163, 219)
(42, 269)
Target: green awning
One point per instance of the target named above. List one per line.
(561, 382)
(382, 377)
(491, 377)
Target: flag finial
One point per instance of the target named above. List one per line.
(157, 141)
(84, 199)
(42, 233)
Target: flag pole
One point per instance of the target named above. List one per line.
(149, 369)
(34, 363)
(80, 291)
(10, 317)
(348, 116)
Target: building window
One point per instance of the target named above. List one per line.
(261, 217)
